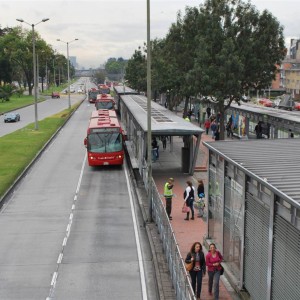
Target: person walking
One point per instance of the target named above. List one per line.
(168, 194)
(207, 125)
(213, 128)
(154, 149)
(189, 196)
(196, 256)
(201, 195)
(164, 142)
(213, 263)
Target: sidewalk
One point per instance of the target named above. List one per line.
(187, 232)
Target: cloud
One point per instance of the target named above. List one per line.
(115, 28)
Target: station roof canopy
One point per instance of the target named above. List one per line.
(275, 163)
(278, 114)
(121, 90)
(163, 121)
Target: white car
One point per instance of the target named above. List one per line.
(79, 91)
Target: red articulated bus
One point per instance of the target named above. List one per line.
(104, 89)
(104, 141)
(105, 101)
(92, 95)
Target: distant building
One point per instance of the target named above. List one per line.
(73, 61)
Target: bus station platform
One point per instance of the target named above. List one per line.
(187, 232)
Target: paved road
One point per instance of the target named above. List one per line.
(71, 232)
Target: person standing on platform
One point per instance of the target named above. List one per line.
(168, 194)
(196, 256)
(164, 142)
(207, 125)
(213, 263)
(201, 195)
(189, 197)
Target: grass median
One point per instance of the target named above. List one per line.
(19, 148)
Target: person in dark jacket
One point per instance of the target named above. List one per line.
(189, 197)
(196, 256)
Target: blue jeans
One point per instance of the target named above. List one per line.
(196, 277)
(190, 204)
(214, 278)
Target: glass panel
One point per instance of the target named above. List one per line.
(233, 225)
(215, 204)
(104, 143)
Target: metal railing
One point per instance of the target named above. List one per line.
(179, 276)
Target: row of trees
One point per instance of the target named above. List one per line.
(221, 49)
(16, 62)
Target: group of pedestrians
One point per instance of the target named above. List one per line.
(214, 126)
(212, 261)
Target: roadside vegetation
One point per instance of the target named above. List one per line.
(19, 148)
(220, 50)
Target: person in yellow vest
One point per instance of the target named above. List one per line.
(168, 194)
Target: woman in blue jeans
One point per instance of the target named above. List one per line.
(199, 268)
(213, 263)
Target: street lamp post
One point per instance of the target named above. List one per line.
(149, 131)
(35, 82)
(59, 40)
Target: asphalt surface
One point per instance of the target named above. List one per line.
(70, 231)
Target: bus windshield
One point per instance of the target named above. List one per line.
(104, 142)
(104, 105)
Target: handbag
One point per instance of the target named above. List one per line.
(189, 266)
(185, 209)
(222, 270)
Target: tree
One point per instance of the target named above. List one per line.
(238, 49)
(136, 71)
(17, 46)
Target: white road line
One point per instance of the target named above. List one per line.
(137, 239)
(68, 230)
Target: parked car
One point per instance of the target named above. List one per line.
(72, 89)
(266, 102)
(11, 117)
(79, 91)
(55, 95)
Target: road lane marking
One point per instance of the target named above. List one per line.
(68, 230)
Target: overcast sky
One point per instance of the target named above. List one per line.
(111, 28)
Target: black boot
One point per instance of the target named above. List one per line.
(187, 216)
(192, 218)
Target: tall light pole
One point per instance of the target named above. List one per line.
(149, 132)
(35, 82)
(68, 67)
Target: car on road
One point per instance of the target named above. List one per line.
(80, 91)
(55, 95)
(11, 117)
(72, 89)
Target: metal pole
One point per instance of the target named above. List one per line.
(149, 133)
(36, 125)
(69, 99)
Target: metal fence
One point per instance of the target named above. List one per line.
(179, 276)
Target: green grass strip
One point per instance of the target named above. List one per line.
(19, 148)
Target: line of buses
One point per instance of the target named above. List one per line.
(105, 138)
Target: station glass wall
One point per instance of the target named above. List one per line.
(215, 200)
